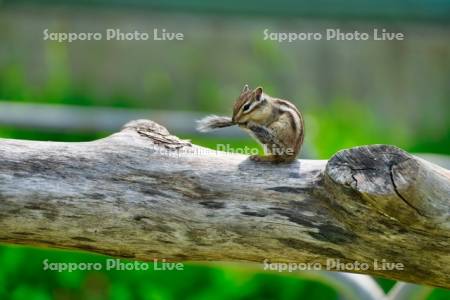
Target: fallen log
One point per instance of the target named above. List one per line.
(143, 193)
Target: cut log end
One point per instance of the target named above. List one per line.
(393, 182)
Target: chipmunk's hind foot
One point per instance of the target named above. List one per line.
(272, 158)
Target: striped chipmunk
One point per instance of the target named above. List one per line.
(275, 123)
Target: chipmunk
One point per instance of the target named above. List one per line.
(277, 124)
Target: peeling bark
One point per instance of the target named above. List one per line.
(143, 193)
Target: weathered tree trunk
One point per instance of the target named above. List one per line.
(142, 193)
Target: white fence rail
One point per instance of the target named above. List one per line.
(88, 118)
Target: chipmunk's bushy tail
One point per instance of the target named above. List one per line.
(213, 122)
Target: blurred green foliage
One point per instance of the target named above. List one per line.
(22, 277)
(340, 123)
(345, 124)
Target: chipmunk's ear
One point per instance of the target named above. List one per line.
(245, 89)
(258, 92)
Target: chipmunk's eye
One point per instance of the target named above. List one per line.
(246, 107)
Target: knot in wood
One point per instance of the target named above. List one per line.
(158, 134)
